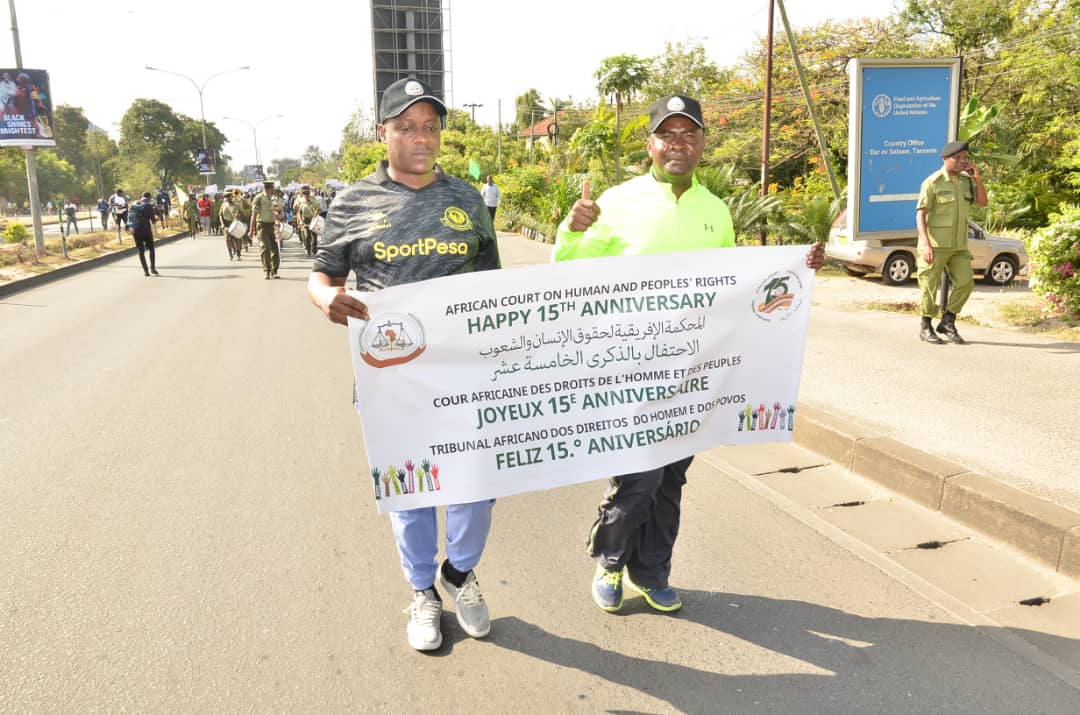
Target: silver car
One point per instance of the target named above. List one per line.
(999, 259)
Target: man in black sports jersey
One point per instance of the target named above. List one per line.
(141, 225)
(409, 222)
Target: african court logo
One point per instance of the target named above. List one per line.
(391, 339)
(778, 297)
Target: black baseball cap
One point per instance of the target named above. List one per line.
(954, 147)
(405, 93)
(674, 105)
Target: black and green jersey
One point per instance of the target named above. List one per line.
(390, 234)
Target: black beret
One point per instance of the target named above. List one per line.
(954, 147)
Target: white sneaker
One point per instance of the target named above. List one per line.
(424, 612)
(472, 612)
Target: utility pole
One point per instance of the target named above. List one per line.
(473, 108)
(809, 101)
(768, 117)
(31, 167)
(500, 136)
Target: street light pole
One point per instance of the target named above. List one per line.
(254, 134)
(473, 108)
(199, 88)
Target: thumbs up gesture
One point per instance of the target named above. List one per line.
(584, 212)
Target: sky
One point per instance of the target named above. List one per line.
(312, 64)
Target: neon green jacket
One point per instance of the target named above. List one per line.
(642, 216)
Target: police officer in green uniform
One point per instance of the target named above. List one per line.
(243, 212)
(305, 209)
(264, 218)
(941, 217)
(226, 216)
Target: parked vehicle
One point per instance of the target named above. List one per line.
(999, 259)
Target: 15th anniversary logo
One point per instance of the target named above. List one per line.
(778, 297)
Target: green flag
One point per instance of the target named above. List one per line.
(474, 169)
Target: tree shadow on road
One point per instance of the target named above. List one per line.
(872, 665)
(1064, 347)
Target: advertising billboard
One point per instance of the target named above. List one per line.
(901, 113)
(204, 159)
(26, 109)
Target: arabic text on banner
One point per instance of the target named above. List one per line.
(493, 383)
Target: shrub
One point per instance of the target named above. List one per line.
(522, 189)
(16, 233)
(1055, 253)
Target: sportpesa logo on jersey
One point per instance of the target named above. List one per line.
(420, 247)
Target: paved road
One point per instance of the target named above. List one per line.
(1003, 405)
(185, 528)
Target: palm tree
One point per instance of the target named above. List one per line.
(623, 76)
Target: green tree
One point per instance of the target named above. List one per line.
(277, 167)
(56, 177)
(359, 129)
(312, 155)
(158, 147)
(102, 153)
(360, 160)
(684, 68)
(964, 25)
(528, 109)
(71, 128)
(621, 76)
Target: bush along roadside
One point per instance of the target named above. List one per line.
(1055, 253)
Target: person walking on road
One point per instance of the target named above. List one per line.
(70, 220)
(191, 215)
(243, 212)
(305, 210)
(163, 203)
(415, 197)
(941, 217)
(103, 209)
(663, 211)
(118, 206)
(205, 205)
(141, 226)
(226, 216)
(264, 216)
(492, 197)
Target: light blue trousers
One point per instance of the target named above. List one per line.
(416, 532)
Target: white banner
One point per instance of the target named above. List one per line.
(499, 382)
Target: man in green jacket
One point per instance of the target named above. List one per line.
(264, 217)
(941, 217)
(663, 211)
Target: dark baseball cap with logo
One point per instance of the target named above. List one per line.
(674, 105)
(405, 93)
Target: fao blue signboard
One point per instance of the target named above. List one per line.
(903, 112)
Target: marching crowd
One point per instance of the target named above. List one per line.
(271, 216)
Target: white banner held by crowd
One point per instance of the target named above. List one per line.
(487, 384)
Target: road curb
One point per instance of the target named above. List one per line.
(78, 267)
(1048, 532)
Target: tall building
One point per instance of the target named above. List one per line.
(411, 38)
